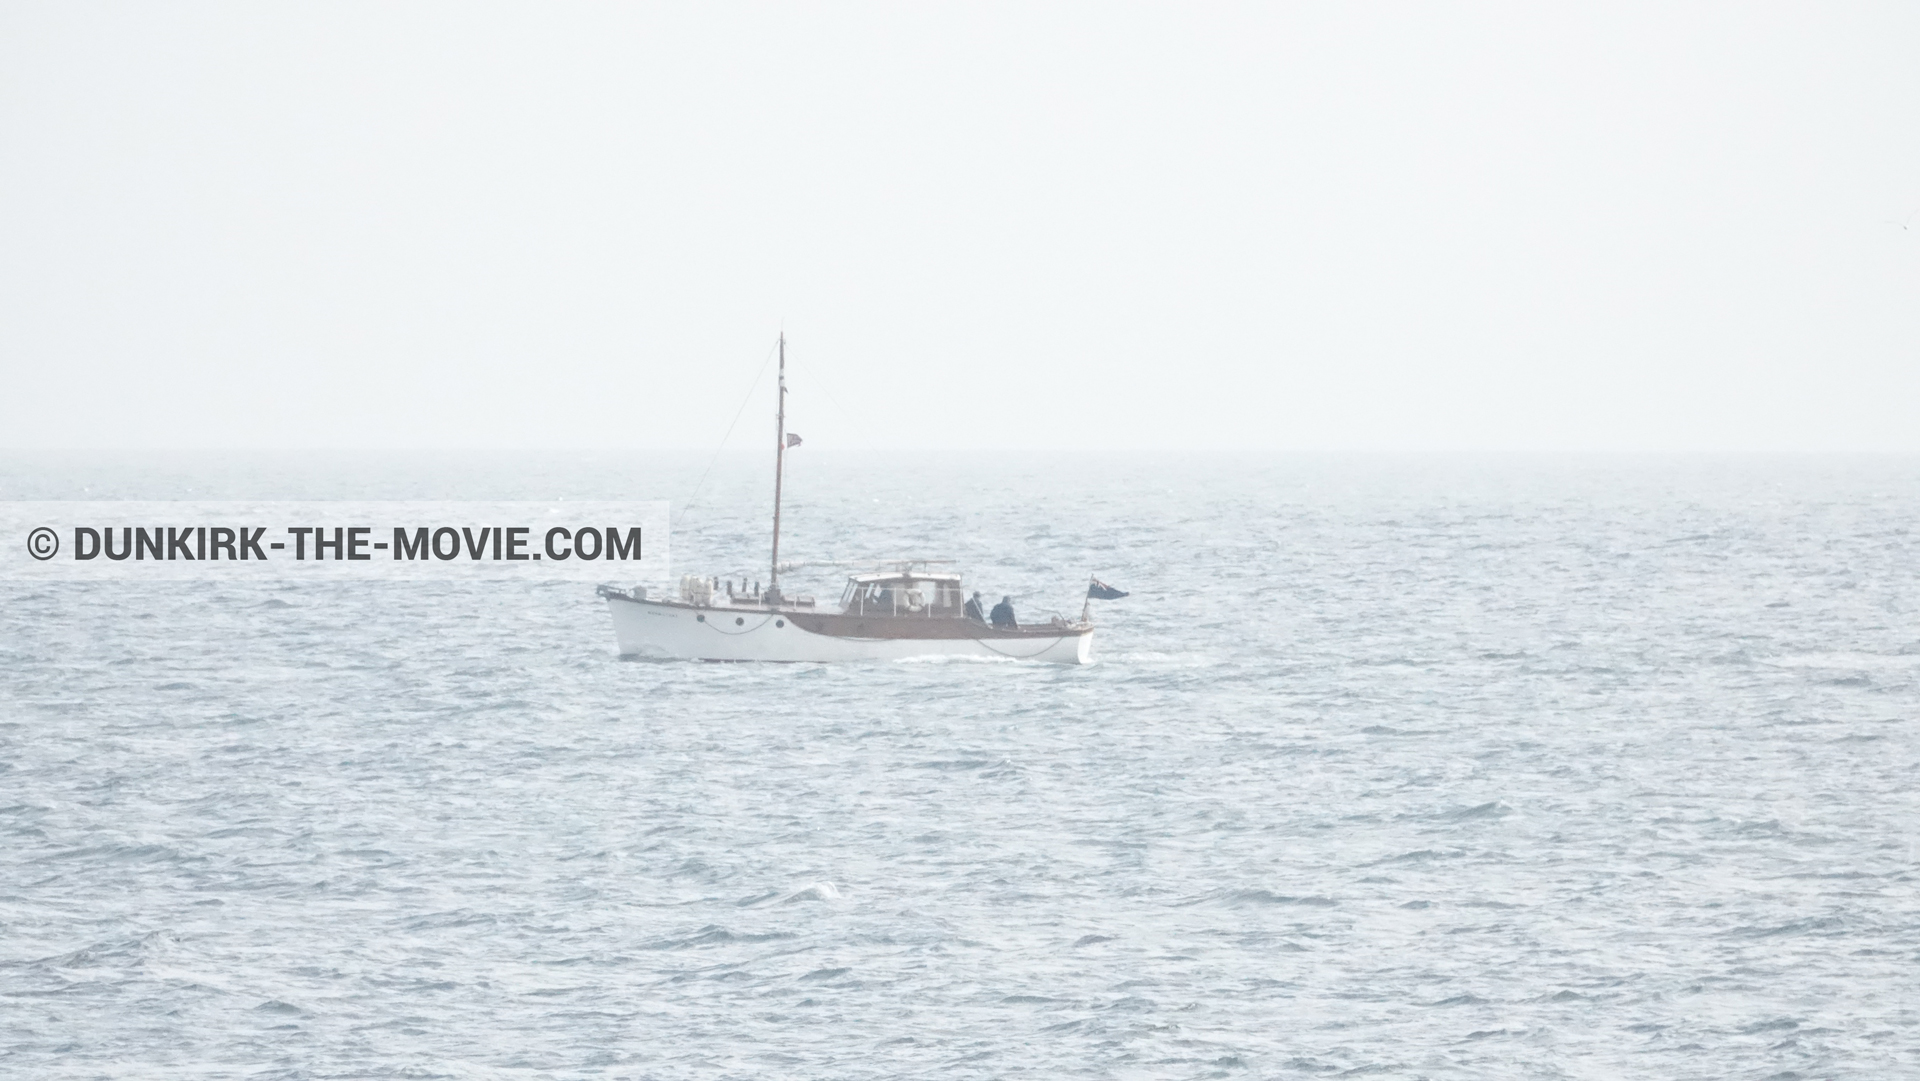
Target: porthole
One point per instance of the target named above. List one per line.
(739, 621)
(702, 619)
(779, 622)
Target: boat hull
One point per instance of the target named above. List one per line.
(672, 631)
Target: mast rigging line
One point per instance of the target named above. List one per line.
(693, 500)
(814, 373)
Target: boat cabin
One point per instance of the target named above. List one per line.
(904, 594)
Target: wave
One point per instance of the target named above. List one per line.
(1239, 898)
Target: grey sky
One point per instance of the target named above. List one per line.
(1305, 226)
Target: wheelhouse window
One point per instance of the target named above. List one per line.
(903, 596)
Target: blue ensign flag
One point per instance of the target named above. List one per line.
(1101, 591)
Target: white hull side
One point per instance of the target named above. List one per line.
(674, 632)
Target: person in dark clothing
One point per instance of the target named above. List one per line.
(975, 611)
(1003, 615)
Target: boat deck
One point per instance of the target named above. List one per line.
(854, 625)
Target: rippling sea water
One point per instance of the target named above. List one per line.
(1451, 767)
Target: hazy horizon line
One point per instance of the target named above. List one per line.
(737, 451)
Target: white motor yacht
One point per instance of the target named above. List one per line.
(905, 610)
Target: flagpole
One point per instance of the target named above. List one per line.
(779, 472)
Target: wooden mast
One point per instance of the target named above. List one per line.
(779, 471)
